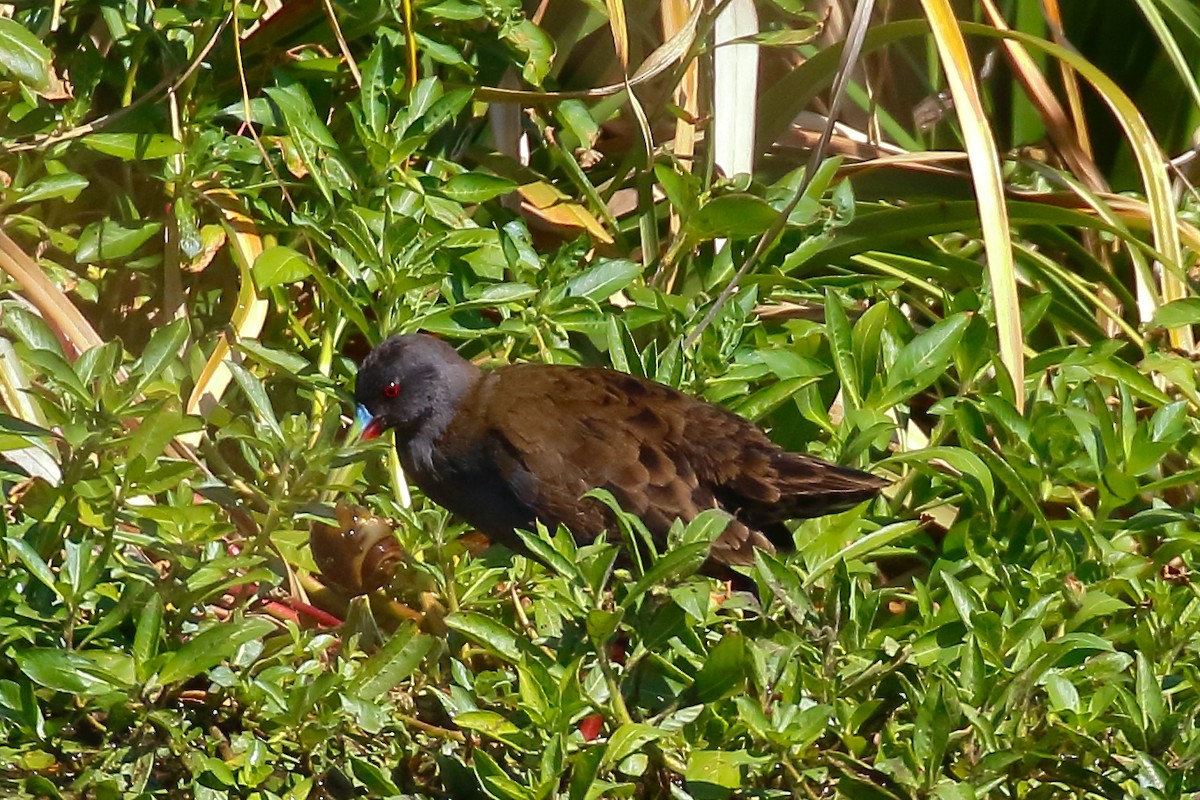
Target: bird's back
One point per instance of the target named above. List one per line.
(529, 440)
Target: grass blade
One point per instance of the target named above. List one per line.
(989, 187)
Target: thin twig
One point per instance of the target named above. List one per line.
(853, 47)
(432, 730)
(249, 119)
(167, 84)
(342, 45)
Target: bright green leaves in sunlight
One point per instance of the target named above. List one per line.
(210, 219)
(279, 265)
(110, 240)
(23, 55)
(923, 360)
(737, 215)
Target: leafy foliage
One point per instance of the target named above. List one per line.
(241, 200)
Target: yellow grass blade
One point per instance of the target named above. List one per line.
(620, 31)
(1069, 78)
(989, 188)
(249, 315)
(675, 14)
(37, 457)
(655, 64)
(54, 306)
(1054, 117)
(410, 45)
(1069, 137)
(1151, 164)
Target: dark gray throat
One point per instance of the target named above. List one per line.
(418, 448)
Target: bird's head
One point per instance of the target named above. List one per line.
(409, 381)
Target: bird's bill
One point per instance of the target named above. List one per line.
(371, 426)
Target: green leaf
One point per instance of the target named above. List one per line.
(340, 294)
(712, 774)
(374, 778)
(210, 647)
(1168, 423)
(486, 632)
(131, 596)
(867, 341)
(161, 350)
(495, 781)
(23, 55)
(396, 660)
(679, 563)
(22, 429)
(964, 601)
(67, 186)
(283, 360)
(536, 688)
(680, 188)
(257, 396)
(1096, 603)
(472, 238)
(312, 140)
(149, 631)
(99, 364)
(498, 294)
(548, 555)
(603, 280)
(705, 528)
(1015, 484)
(300, 113)
(279, 265)
(584, 785)
(724, 670)
(784, 584)
(1062, 693)
(109, 240)
(867, 544)
(1149, 695)
(954, 791)
(533, 41)
(133, 146)
(33, 562)
(477, 187)
(731, 216)
(854, 788)
(693, 597)
(54, 366)
(838, 332)
(31, 330)
(628, 739)
(455, 10)
(923, 360)
(488, 723)
(964, 462)
(157, 429)
(1177, 313)
(67, 671)
(602, 624)
(762, 402)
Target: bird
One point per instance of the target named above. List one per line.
(506, 448)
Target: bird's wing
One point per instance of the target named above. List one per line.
(663, 454)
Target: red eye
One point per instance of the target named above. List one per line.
(391, 390)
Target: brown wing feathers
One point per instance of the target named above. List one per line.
(663, 455)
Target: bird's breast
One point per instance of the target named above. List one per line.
(465, 479)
